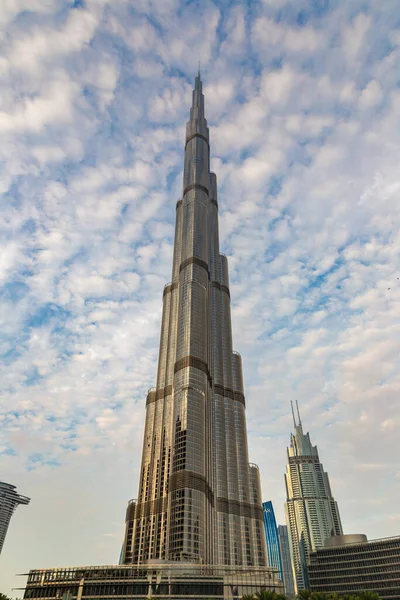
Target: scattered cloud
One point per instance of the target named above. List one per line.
(303, 106)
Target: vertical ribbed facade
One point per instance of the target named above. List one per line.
(272, 540)
(199, 498)
(9, 500)
(312, 514)
(286, 560)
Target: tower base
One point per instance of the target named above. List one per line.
(163, 580)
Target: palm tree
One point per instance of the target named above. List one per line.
(367, 595)
(303, 595)
(266, 595)
(248, 597)
(318, 596)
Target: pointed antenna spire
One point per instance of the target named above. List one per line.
(298, 412)
(198, 70)
(294, 419)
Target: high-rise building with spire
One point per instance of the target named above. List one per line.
(312, 514)
(196, 529)
(9, 500)
(199, 498)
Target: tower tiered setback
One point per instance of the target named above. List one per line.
(199, 498)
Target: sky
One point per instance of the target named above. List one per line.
(303, 102)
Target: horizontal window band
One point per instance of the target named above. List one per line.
(194, 481)
(305, 497)
(195, 186)
(193, 260)
(148, 508)
(197, 135)
(241, 509)
(304, 459)
(222, 287)
(228, 393)
(158, 394)
(213, 201)
(170, 287)
(193, 361)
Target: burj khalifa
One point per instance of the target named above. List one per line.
(199, 497)
(196, 528)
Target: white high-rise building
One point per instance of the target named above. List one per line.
(312, 514)
(9, 500)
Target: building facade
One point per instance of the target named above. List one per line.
(271, 536)
(349, 564)
(286, 560)
(172, 581)
(199, 499)
(9, 500)
(312, 514)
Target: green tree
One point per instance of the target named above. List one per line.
(368, 596)
(268, 595)
(318, 596)
(303, 595)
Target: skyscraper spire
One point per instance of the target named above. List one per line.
(294, 419)
(298, 412)
(199, 498)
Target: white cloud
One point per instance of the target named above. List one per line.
(304, 140)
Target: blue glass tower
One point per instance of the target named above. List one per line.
(271, 535)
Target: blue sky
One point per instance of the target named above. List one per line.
(303, 103)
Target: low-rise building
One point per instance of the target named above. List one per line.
(348, 564)
(157, 578)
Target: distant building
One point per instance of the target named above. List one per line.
(312, 514)
(271, 536)
(348, 564)
(286, 560)
(9, 500)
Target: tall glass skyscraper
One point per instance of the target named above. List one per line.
(312, 514)
(286, 560)
(9, 500)
(196, 529)
(271, 536)
(199, 497)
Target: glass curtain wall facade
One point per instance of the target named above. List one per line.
(199, 498)
(9, 500)
(312, 514)
(286, 560)
(271, 537)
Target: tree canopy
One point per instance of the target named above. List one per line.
(309, 595)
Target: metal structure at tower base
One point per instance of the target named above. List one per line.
(158, 579)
